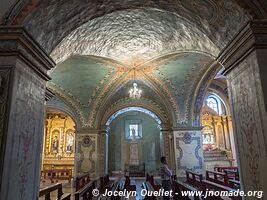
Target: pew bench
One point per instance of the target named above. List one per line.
(56, 174)
(209, 185)
(57, 187)
(150, 178)
(179, 186)
(147, 185)
(127, 184)
(234, 184)
(232, 172)
(81, 181)
(105, 183)
(194, 179)
(85, 193)
(217, 177)
(116, 186)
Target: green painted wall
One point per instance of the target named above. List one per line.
(148, 146)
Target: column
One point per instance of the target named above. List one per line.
(245, 64)
(232, 140)
(103, 144)
(166, 144)
(87, 152)
(23, 77)
(188, 150)
(227, 133)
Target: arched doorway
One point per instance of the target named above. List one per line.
(135, 142)
(58, 147)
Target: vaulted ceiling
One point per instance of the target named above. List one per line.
(90, 83)
(98, 46)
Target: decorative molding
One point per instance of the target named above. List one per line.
(48, 94)
(5, 73)
(252, 36)
(15, 41)
(69, 99)
(127, 102)
(201, 91)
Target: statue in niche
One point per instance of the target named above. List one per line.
(133, 133)
(55, 144)
(69, 142)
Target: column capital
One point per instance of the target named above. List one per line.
(252, 36)
(15, 41)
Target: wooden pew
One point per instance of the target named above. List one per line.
(115, 186)
(221, 169)
(105, 183)
(147, 185)
(56, 174)
(127, 184)
(217, 177)
(60, 195)
(81, 181)
(150, 179)
(194, 179)
(209, 185)
(85, 193)
(232, 172)
(234, 184)
(178, 187)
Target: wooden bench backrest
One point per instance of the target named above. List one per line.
(81, 181)
(218, 177)
(194, 178)
(46, 191)
(86, 191)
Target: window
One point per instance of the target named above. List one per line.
(213, 104)
(133, 129)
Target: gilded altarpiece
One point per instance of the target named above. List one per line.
(217, 132)
(59, 142)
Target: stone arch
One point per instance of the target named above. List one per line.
(201, 91)
(148, 105)
(66, 111)
(223, 97)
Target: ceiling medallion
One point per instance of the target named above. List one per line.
(135, 92)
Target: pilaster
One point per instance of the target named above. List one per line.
(245, 64)
(23, 76)
(87, 152)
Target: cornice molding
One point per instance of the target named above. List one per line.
(251, 37)
(48, 94)
(15, 41)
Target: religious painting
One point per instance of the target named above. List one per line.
(55, 141)
(69, 141)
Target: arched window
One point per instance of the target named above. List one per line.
(213, 104)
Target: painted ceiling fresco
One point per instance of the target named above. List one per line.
(99, 45)
(88, 83)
